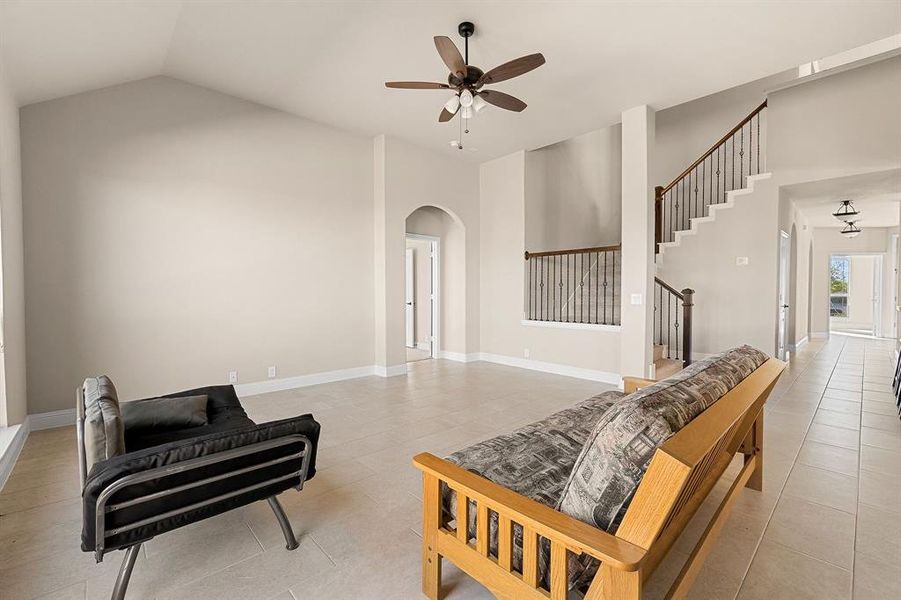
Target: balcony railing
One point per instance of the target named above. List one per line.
(581, 285)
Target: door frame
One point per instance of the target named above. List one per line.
(435, 325)
(878, 280)
(783, 292)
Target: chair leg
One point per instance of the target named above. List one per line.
(284, 523)
(128, 565)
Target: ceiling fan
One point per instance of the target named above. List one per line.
(467, 80)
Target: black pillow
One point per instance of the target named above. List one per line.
(165, 413)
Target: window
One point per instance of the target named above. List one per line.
(839, 277)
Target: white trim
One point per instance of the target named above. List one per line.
(51, 420)
(299, 381)
(798, 345)
(424, 346)
(12, 440)
(556, 368)
(392, 371)
(579, 326)
(458, 356)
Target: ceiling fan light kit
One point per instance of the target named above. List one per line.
(467, 81)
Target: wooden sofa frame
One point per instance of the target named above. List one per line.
(680, 476)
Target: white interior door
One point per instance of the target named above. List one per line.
(410, 307)
(784, 262)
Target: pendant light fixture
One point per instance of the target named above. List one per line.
(850, 230)
(846, 211)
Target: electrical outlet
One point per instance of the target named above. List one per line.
(233, 377)
(741, 261)
(525, 353)
(272, 372)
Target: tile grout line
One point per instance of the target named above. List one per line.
(794, 462)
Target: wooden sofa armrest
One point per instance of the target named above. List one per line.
(558, 527)
(631, 384)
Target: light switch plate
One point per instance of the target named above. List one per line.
(233, 377)
(635, 299)
(272, 372)
(741, 261)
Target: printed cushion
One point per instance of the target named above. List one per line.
(104, 432)
(534, 461)
(619, 449)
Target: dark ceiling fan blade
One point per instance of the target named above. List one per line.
(502, 100)
(416, 85)
(450, 55)
(512, 69)
(446, 115)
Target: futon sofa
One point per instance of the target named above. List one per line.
(589, 500)
(150, 466)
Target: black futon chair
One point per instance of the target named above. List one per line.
(169, 478)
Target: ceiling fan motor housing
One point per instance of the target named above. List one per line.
(473, 74)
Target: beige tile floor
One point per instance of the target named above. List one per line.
(827, 525)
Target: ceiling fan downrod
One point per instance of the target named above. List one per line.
(466, 29)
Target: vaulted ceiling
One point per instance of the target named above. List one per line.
(327, 61)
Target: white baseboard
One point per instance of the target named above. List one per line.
(555, 368)
(458, 356)
(299, 381)
(12, 440)
(797, 346)
(51, 420)
(392, 371)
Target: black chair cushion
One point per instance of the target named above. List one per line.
(223, 411)
(106, 472)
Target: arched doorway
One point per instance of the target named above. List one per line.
(434, 284)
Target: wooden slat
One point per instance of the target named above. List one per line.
(558, 571)
(431, 560)
(505, 542)
(544, 520)
(462, 517)
(482, 539)
(705, 544)
(530, 557)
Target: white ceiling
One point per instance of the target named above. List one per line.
(328, 60)
(876, 195)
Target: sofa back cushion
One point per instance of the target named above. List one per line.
(104, 432)
(619, 449)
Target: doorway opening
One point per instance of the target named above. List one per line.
(855, 294)
(421, 296)
(785, 275)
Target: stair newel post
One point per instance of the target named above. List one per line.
(687, 304)
(658, 218)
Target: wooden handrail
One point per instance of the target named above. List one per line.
(669, 288)
(713, 148)
(617, 247)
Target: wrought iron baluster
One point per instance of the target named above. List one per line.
(741, 161)
(605, 289)
(676, 330)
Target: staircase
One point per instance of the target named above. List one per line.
(663, 365)
(711, 184)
